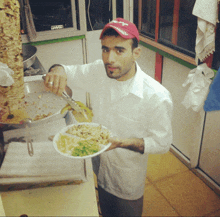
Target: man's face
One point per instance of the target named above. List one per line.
(118, 57)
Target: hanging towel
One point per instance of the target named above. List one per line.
(207, 17)
(198, 90)
(212, 102)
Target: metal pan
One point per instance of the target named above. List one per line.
(40, 102)
(29, 55)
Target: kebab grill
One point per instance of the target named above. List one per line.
(21, 100)
(25, 100)
(12, 97)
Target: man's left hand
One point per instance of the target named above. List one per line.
(134, 144)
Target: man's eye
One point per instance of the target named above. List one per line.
(120, 51)
(104, 50)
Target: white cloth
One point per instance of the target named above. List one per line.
(140, 107)
(207, 15)
(6, 75)
(46, 165)
(199, 78)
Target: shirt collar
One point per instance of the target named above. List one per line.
(135, 87)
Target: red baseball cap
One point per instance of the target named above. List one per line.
(124, 28)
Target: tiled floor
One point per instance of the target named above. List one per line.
(173, 190)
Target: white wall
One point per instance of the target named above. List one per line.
(147, 61)
(209, 160)
(187, 124)
(93, 45)
(69, 52)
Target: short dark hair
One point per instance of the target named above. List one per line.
(112, 32)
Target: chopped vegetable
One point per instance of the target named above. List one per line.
(85, 148)
(76, 146)
(82, 139)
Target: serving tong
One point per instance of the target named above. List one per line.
(71, 101)
(73, 104)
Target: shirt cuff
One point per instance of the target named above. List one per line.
(153, 147)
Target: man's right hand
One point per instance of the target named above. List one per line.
(56, 80)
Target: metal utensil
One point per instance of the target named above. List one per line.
(88, 101)
(27, 123)
(29, 55)
(71, 102)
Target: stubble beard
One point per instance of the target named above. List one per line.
(111, 75)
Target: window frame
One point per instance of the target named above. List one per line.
(156, 42)
(63, 33)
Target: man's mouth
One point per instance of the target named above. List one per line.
(110, 68)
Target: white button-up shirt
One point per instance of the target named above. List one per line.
(137, 108)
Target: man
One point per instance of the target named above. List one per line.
(132, 105)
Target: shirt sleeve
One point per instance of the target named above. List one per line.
(83, 76)
(159, 126)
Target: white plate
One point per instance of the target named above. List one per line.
(63, 131)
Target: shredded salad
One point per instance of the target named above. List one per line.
(82, 140)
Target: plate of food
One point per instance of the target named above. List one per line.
(82, 140)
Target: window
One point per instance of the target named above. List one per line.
(166, 20)
(176, 27)
(52, 15)
(49, 15)
(100, 12)
(136, 18)
(147, 16)
(53, 19)
(120, 7)
(187, 26)
(216, 56)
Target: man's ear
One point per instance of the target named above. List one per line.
(137, 52)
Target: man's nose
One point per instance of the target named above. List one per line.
(111, 57)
